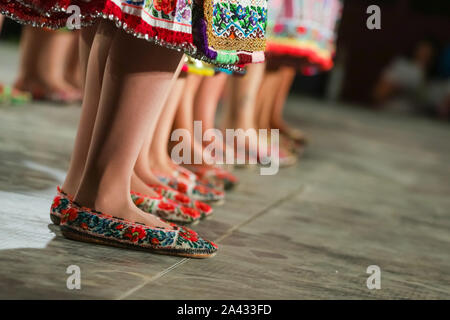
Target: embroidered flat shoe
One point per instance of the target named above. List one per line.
(181, 172)
(292, 146)
(166, 208)
(60, 202)
(193, 189)
(84, 224)
(286, 158)
(228, 180)
(182, 199)
(184, 173)
(295, 134)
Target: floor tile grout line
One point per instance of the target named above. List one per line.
(258, 214)
(155, 277)
(224, 236)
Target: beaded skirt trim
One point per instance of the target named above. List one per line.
(168, 23)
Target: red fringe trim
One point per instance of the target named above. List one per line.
(244, 58)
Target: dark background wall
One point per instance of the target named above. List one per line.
(367, 52)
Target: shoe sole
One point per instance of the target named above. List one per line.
(55, 219)
(230, 186)
(82, 237)
(214, 202)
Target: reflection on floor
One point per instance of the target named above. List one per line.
(372, 189)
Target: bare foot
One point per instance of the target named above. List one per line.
(48, 89)
(131, 213)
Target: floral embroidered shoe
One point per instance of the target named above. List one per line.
(187, 174)
(294, 134)
(292, 146)
(217, 174)
(60, 202)
(165, 208)
(182, 172)
(194, 189)
(183, 199)
(83, 224)
(286, 158)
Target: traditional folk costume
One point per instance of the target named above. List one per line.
(303, 31)
(226, 33)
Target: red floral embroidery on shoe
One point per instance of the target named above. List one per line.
(188, 235)
(182, 198)
(166, 206)
(201, 189)
(138, 201)
(158, 189)
(101, 226)
(190, 212)
(68, 215)
(182, 187)
(202, 206)
(134, 233)
(56, 202)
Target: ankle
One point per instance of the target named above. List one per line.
(113, 204)
(69, 188)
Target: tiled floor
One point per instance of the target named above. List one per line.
(372, 189)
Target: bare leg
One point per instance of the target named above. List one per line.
(43, 57)
(72, 71)
(242, 98)
(241, 105)
(287, 75)
(184, 118)
(154, 153)
(136, 81)
(207, 100)
(96, 50)
(266, 99)
(159, 155)
(185, 113)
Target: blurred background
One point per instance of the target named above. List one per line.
(403, 67)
